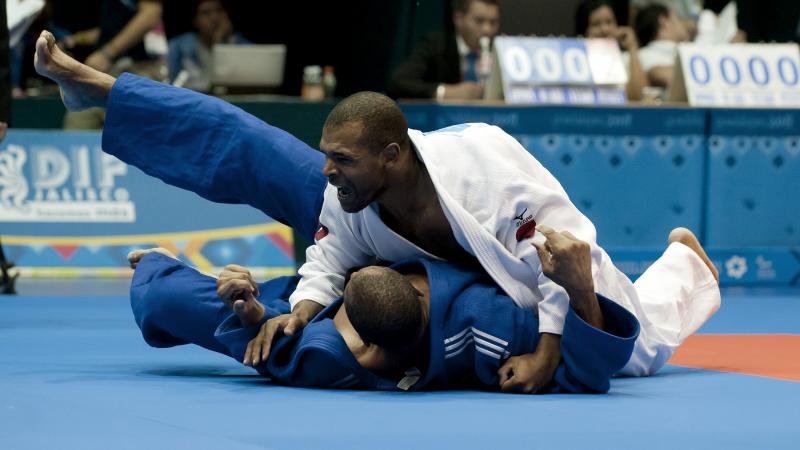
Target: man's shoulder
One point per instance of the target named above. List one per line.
(468, 133)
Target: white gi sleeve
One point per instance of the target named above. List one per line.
(555, 302)
(336, 249)
(544, 200)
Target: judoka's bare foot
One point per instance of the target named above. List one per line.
(249, 311)
(135, 256)
(687, 238)
(81, 86)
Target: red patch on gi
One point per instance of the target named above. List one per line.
(321, 233)
(526, 230)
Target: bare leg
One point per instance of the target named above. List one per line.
(687, 238)
(81, 86)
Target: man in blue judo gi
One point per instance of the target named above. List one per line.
(451, 329)
(269, 164)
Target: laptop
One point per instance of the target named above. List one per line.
(248, 65)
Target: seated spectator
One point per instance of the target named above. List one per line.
(659, 31)
(596, 19)
(688, 11)
(190, 53)
(446, 66)
(120, 48)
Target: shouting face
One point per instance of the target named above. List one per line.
(357, 172)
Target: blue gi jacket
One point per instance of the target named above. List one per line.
(473, 329)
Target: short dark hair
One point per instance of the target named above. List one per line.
(646, 23)
(384, 309)
(381, 119)
(584, 11)
(463, 5)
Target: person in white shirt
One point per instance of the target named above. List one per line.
(596, 19)
(659, 31)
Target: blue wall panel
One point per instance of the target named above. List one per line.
(636, 173)
(754, 179)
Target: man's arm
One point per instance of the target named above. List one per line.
(567, 262)
(660, 76)
(591, 356)
(408, 80)
(147, 17)
(336, 249)
(429, 60)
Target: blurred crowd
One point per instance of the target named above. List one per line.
(172, 41)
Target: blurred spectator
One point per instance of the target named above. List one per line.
(659, 31)
(596, 19)
(190, 52)
(123, 25)
(120, 47)
(445, 66)
(21, 52)
(688, 11)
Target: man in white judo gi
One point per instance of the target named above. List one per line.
(469, 194)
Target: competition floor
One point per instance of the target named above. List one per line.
(75, 374)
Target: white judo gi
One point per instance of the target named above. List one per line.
(493, 192)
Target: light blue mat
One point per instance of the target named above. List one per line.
(75, 374)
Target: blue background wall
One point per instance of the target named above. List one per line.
(732, 176)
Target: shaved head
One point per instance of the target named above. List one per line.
(381, 120)
(385, 309)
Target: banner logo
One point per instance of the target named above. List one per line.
(48, 184)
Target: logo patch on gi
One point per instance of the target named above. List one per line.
(526, 226)
(321, 233)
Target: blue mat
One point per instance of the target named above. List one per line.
(75, 374)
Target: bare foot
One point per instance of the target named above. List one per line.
(135, 256)
(81, 86)
(249, 310)
(687, 238)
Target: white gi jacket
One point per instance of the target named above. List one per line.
(493, 192)
(490, 188)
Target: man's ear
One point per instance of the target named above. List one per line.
(390, 154)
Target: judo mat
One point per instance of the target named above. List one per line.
(76, 374)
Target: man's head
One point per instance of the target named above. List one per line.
(475, 19)
(387, 312)
(209, 17)
(364, 138)
(657, 22)
(595, 19)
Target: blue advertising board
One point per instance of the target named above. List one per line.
(68, 208)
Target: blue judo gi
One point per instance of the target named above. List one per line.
(210, 147)
(473, 328)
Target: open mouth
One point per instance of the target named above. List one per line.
(344, 192)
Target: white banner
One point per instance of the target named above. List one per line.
(531, 70)
(745, 75)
